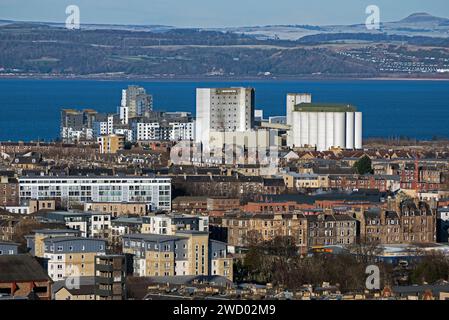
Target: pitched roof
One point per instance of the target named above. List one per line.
(22, 267)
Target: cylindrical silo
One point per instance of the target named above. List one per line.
(304, 128)
(296, 129)
(313, 128)
(358, 131)
(339, 129)
(329, 130)
(321, 143)
(349, 130)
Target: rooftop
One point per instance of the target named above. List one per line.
(22, 267)
(324, 107)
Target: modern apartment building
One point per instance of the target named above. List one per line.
(170, 224)
(154, 191)
(77, 124)
(111, 143)
(186, 253)
(110, 277)
(90, 224)
(173, 131)
(72, 256)
(35, 241)
(135, 103)
(223, 110)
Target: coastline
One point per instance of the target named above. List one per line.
(215, 78)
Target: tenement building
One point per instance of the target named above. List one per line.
(324, 229)
(242, 228)
(411, 224)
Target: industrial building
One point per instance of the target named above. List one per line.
(223, 110)
(325, 126)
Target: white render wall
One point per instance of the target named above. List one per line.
(339, 129)
(349, 130)
(223, 109)
(292, 100)
(358, 131)
(325, 130)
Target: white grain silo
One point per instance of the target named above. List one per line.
(321, 143)
(313, 128)
(326, 126)
(329, 130)
(339, 129)
(358, 131)
(304, 128)
(349, 130)
(296, 130)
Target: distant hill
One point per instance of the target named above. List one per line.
(423, 17)
(417, 47)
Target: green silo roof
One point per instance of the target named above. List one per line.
(324, 107)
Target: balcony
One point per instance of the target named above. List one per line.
(104, 280)
(104, 267)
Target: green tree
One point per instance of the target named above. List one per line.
(363, 166)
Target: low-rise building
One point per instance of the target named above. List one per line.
(29, 280)
(82, 289)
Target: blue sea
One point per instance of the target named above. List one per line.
(30, 109)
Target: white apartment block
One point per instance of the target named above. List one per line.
(72, 135)
(155, 191)
(174, 131)
(223, 110)
(127, 133)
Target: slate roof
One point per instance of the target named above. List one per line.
(20, 268)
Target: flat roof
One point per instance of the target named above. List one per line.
(94, 177)
(324, 107)
(152, 237)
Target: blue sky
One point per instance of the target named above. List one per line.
(218, 13)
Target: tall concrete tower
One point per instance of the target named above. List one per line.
(223, 110)
(292, 100)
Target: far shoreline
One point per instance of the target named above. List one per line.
(214, 79)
